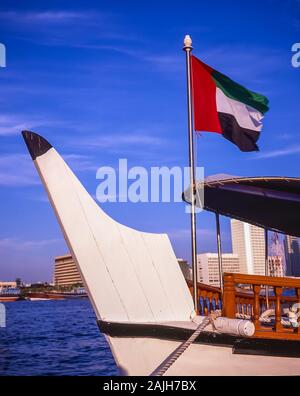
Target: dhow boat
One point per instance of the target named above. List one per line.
(143, 303)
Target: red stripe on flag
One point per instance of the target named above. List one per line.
(204, 98)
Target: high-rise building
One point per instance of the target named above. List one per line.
(66, 272)
(248, 242)
(276, 250)
(276, 267)
(208, 267)
(292, 255)
(185, 268)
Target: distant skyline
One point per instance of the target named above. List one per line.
(106, 80)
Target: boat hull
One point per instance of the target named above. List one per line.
(140, 348)
(53, 296)
(141, 356)
(133, 278)
(9, 298)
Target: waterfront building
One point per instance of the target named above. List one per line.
(292, 255)
(7, 285)
(66, 272)
(19, 282)
(276, 266)
(208, 267)
(248, 242)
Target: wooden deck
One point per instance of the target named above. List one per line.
(248, 296)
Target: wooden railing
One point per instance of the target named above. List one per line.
(209, 297)
(253, 302)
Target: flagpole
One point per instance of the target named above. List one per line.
(267, 265)
(219, 251)
(188, 48)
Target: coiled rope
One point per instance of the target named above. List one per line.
(264, 318)
(171, 359)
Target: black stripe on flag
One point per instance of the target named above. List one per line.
(244, 138)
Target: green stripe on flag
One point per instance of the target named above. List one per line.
(236, 91)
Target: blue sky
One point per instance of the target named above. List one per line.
(106, 80)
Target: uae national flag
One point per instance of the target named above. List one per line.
(223, 106)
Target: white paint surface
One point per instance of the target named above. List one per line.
(130, 276)
(148, 353)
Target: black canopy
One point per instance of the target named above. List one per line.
(268, 202)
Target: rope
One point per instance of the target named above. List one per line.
(264, 318)
(171, 359)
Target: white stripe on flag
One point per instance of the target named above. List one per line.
(246, 116)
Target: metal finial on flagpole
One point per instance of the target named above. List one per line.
(188, 48)
(187, 43)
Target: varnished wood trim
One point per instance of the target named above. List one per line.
(263, 280)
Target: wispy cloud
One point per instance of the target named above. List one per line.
(17, 170)
(118, 141)
(105, 47)
(72, 28)
(164, 62)
(285, 136)
(39, 198)
(186, 233)
(12, 125)
(278, 153)
(20, 245)
(254, 63)
(80, 163)
(31, 259)
(38, 17)
(103, 34)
